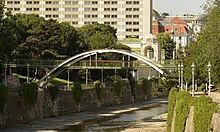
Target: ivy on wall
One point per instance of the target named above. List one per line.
(204, 109)
(53, 91)
(183, 103)
(3, 96)
(98, 88)
(117, 87)
(171, 107)
(77, 92)
(132, 84)
(30, 93)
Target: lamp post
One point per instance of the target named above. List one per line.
(209, 72)
(179, 70)
(193, 85)
(181, 67)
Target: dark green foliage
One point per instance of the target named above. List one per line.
(171, 107)
(183, 103)
(53, 91)
(167, 44)
(98, 88)
(3, 96)
(30, 93)
(133, 85)
(117, 87)
(206, 48)
(146, 86)
(203, 112)
(77, 92)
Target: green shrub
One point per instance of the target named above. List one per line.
(97, 86)
(77, 92)
(183, 103)
(3, 96)
(117, 87)
(203, 112)
(30, 93)
(171, 107)
(53, 91)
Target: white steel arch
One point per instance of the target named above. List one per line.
(83, 55)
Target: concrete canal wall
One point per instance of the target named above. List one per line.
(16, 112)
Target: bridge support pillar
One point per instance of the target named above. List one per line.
(28, 66)
(115, 73)
(68, 75)
(86, 77)
(102, 77)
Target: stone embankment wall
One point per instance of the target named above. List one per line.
(17, 112)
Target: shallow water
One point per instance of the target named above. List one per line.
(117, 122)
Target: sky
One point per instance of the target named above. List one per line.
(179, 7)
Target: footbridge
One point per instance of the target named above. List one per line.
(78, 62)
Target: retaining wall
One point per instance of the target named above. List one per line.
(17, 112)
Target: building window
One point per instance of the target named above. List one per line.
(9, 2)
(128, 29)
(86, 16)
(128, 23)
(74, 9)
(86, 23)
(48, 16)
(94, 9)
(135, 30)
(135, 23)
(9, 9)
(16, 2)
(48, 2)
(135, 2)
(106, 16)
(16, 9)
(114, 23)
(55, 9)
(114, 9)
(87, 3)
(106, 9)
(128, 16)
(114, 16)
(29, 9)
(94, 16)
(75, 23)
(128, 2)
(36, 9)
(55, 16)
(94, 22)
(135, 9)
(87, 9)
(28, 2)
(106, 2)
(107, 23)
(128, 9)
(48, 9)
(68, 16)
(135, 16)
(36, 2)
(114, 2)
(55, 2)
(94, 2)
(68, 2)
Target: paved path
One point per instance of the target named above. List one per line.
(61, 122)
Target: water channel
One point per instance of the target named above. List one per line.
(118, 122)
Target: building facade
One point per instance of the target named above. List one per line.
(131, 18)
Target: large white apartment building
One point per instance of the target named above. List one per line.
(131, 18)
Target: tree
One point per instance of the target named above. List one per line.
(98, 36)
(167, 44)
(207, 47)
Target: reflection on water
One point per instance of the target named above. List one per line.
(119, 122)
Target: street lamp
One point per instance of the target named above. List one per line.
(193, 85)
(181, 67)
(179, 70)
(209, 72)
